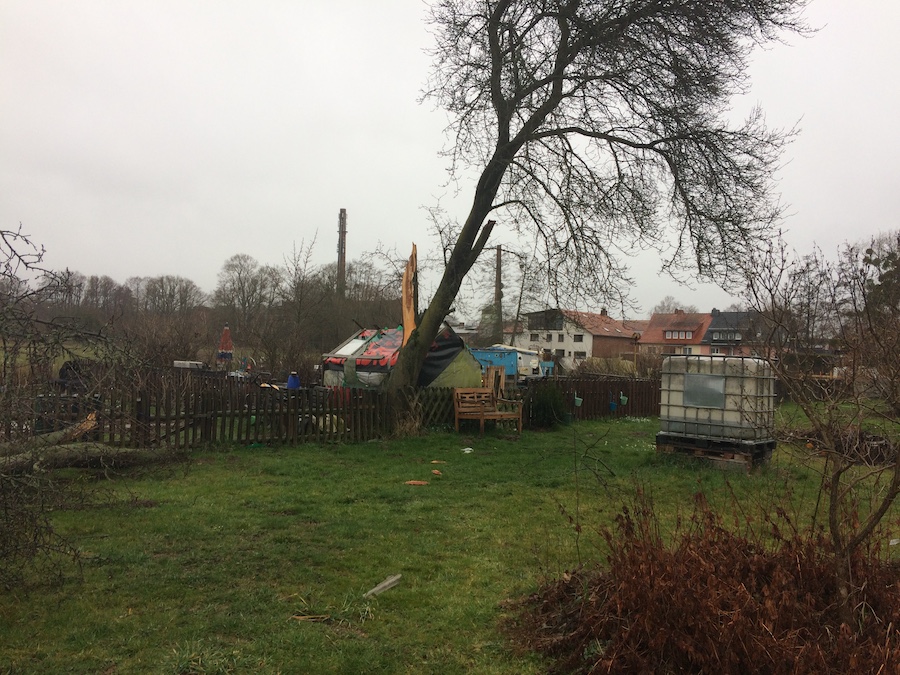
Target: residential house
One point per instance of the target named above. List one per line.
(729, 333)
(571, 336)
(676, 333)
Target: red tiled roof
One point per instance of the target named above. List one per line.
(603, 325)
(680, 321)
(637, 325)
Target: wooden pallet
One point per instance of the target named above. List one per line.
(726, 458)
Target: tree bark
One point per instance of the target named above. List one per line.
(471, 242)
(79, 455)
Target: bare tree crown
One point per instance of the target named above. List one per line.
(602, 124)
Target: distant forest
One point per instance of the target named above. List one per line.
(281, 318)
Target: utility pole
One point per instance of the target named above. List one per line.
(523, 270)
(342, 253)
(498, 297)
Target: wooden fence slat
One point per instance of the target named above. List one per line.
(240, 411)
(190, 414)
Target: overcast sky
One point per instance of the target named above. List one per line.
(163, 136)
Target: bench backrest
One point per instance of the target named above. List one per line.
(474, 398)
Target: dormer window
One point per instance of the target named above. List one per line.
(726, 336)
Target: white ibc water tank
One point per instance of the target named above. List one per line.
(717, 398)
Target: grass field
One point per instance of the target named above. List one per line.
(256, 560)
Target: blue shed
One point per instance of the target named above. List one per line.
(497, 356)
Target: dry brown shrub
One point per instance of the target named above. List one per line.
(408, 425)
(714, 602)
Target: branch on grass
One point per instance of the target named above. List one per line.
(43, 441)
(80, 455)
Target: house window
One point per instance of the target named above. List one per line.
(578, 337)
(715, 350)
(681, 335)
(580, 355)
(535, 337)
(668, 335)
(717, 336)
(686, 350)
(560, 352)
(549, 337)
(689, 335)
(737, 336)
(561, 338)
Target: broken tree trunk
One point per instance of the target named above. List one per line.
(42, 441)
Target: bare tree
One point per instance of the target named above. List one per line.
(285, 330)
(170, 294)
(594, 125)
(166, 320)
(32, 339)
(33, 336)
(669, 304)
(101, 293)
(831, 330)
(372, 298)
(245, 291)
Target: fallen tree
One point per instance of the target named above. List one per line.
(82, 455)
(42, 441)
(61, 449)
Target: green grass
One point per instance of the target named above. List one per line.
(255, 560)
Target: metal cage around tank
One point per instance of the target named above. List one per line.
(716, 406)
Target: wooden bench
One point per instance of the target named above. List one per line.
(481, 403)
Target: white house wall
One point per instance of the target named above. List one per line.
(568, 345)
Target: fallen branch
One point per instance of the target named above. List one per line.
(80, 455)
(47, 440)
(387, 584)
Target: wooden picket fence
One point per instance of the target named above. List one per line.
(603, 397)
(180, 410)
(600, 398)
(177, 410)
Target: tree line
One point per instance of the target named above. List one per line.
(282, 317)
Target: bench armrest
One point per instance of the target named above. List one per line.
(509, 400)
